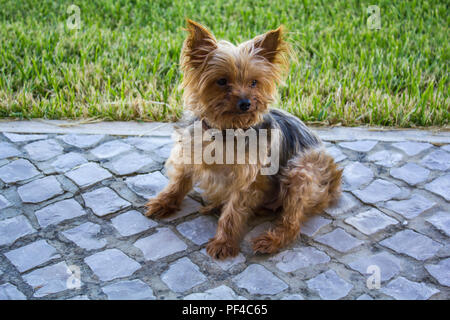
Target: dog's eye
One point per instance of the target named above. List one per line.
(222, 81)
(253, 83)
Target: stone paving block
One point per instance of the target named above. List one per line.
(199, 230)
(379, 190)
(110, 149)
(80, 297)
(14, 137)
(439, 186)
(356, 175)
(88, 174)
(225, 264)
(147, 185)
(293, 297)
(111, 264)
(446, 147)
(148, 143)
(133, 162)
(413, 244)
(68, 161)
(404, 289)
(10, 292)
(345, 203)
(48, 280)
(182, 275)
(132, 222)
(4, 203)
(43, 149)
(386, 158)
(160, 244)
(299, 258)
(411, 173)
(14, 228)
(437, 160)
(388, 264)
(364, 297)
(258, 280)
(86, 236)
(441, 221)
(329, 285)
(440, 271)
(7, 150)
(336, 153)
(58, 212)
(339, 240)
(371, 221)
(313, 225)
(410, 208)
(412, 148)
(18, 170)
(129, 290)
(40, 190)
(104, 201)
(220, 293)
(360, 145)
(188, 206)
(32, 255)
(82, 141)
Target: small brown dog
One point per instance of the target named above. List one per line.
(230, 87)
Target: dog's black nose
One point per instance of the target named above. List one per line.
(244, 104)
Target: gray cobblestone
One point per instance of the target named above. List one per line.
(58, 212)
(389, 265)
(258, 280)
(379, 190)
(404, 289)
(88, 174)
(8, 150)
(68, 161)
(111, 264)
(147, 185)
(339, 240)
(86, 236)
(386, 158)
(329, 285)
(313, 225)
(129, 290)
(412, 148)
(48, 280)
(356, 175)
(18, 170)
(182, 275)
(360, 145)
(14, 137)
(104, 201)
(220, 293)
(133, 162)
(440, 186)
(32, 255)
(345, 203)
(225, 264)
(411, 173)
(336, 153)
(441, 221)
(110, 149)
(440, 271)
(298, 258)
(40, 190)
(199, 230)
(43, 149)
(14, 228)
(4, 203)
(423, 248)
(410, 208)
(10, 292)
(437, 160)
(82, 140)
(153, 250)
(371, 221)
(132, 222)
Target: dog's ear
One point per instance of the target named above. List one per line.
(272, 46)
(199, 43)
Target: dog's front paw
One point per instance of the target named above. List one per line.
(220, 249)
(266, 243)
(157, 208)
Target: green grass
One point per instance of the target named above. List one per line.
(123, 62)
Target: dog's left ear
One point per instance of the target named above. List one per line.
(272, 46)
(199, 43)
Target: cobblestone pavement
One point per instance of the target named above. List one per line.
(71, 224)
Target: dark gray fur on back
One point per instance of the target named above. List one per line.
(295, 135)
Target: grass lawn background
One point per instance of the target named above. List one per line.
(123, 62)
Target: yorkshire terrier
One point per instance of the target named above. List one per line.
(230, 87)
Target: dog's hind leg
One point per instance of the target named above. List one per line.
(308, 184)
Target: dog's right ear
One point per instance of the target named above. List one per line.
(199, 43)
